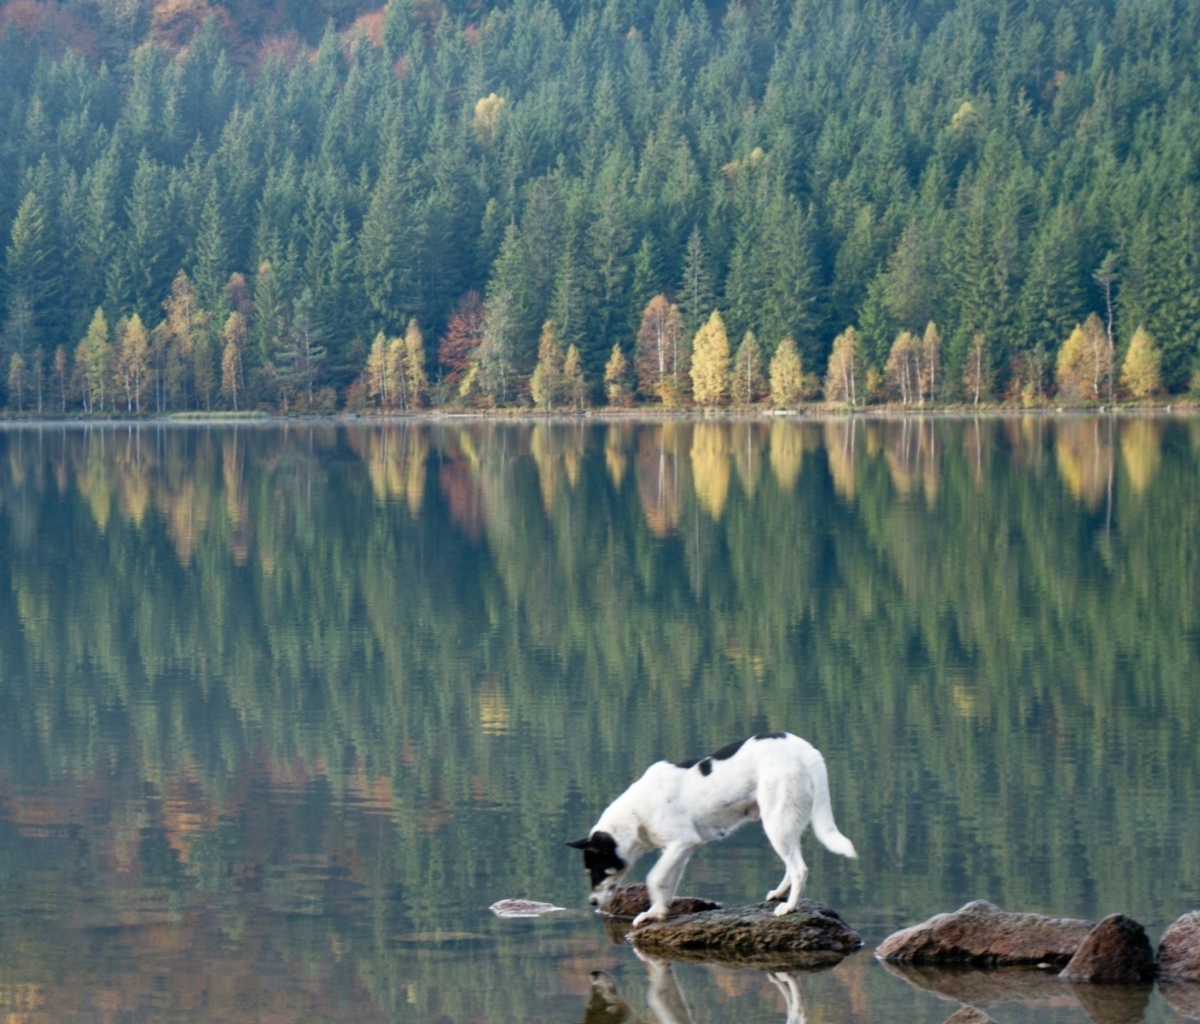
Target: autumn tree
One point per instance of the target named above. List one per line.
(903, 369)
(931, 362)
(976, 370)
(416, 380)
(1084, 363)
(16, 382)
(841, 376)
(574, 380)
(616, 378)
(233, 345)
(376, 378)
(786, 375)
(747, 381)
(1141, 372)
(547, 385)
(92, 363)
(131, 366)
(659, 358)
(710, 362)
(464, 334)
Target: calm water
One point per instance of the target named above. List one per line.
(284, 709)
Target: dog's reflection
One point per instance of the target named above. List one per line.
(664, 1001)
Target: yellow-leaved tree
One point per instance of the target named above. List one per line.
(710, 363)
(841, 376)
(787, 375)
(1141, 372)
(1084, 363)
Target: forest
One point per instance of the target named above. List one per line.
(562, 203)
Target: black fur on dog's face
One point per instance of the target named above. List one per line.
(603, 863)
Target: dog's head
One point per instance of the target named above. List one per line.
(605, 865)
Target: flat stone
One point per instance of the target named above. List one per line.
(1179, 949)
(983, 935)
(1115, 952)
(630, 900)
(522, 908)
(813, 935)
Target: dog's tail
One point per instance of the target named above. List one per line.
(823, 825)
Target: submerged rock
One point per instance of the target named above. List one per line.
(813, 935)
(1115, 952)
(983, 935)
(970, 1015)
(630, 900)
(1179, 949)
(522, 908)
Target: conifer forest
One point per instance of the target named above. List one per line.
(570, 203)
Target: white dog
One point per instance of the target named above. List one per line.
(776, 776)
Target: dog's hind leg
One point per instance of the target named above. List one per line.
(663, 881)
(784, 815)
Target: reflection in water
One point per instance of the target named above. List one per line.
(665, 1002)
(276, 700)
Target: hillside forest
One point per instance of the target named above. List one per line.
(560, 203)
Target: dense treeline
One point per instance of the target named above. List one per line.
(432, 202)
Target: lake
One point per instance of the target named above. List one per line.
(285, 708)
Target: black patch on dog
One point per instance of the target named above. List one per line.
(599, 856)
(771, 736)
(706, 766)
(691, 763)
(727, 751)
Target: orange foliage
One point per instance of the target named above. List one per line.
(369, 26)
(174, 22)
(46, 21)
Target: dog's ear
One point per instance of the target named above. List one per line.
(581, 844)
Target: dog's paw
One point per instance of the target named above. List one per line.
(783, 909)
(650, 916)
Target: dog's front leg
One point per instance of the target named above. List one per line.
(663, 881)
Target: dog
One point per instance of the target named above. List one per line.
(774, 777)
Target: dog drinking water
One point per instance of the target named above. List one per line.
(775, 777)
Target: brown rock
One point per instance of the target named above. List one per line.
(1179, 949)
(1115, 952)
(983, 935)
(630, 900)
(811, 936)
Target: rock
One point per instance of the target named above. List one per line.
(1179, 949)
(522, 908)
(811, 936)
(983, 935)
(1115, 952)
(969, 1015)
(1182, 996)
(630, 900)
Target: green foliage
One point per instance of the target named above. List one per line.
(885, 167)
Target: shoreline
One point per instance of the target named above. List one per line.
(816, 413)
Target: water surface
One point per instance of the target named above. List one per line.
(284, 709)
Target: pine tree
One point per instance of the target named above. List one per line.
(696, 295)
(710, 363)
